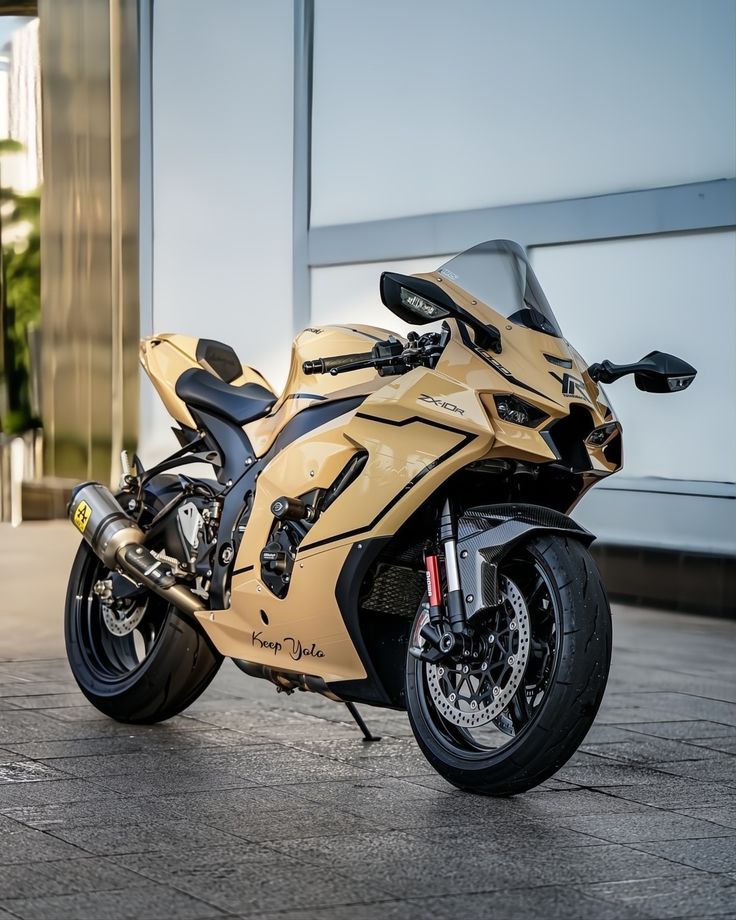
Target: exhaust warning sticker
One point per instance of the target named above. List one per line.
(82, 516)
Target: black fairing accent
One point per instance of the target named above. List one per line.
(487, 532)
(347, 592)
(200, 389)
(219, 358)
(310, 418)
(566, 436)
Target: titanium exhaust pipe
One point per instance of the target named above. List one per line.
(117, 540)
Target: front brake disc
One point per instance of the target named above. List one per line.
(472, 694)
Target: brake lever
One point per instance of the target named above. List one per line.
(355, 366)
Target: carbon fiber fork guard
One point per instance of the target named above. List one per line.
(486, 533)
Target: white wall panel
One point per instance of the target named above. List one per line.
(625, 298)
(423, 106)
(222, 179)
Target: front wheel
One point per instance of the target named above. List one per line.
(507, 717)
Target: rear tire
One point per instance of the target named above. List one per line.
(573, 692)
(129, 680)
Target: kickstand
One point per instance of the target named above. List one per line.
(367, 735)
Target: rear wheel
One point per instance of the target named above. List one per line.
(509, 716)
(140, 663)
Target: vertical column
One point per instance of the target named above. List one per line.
(89, 226)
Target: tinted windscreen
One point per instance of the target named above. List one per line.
(499, 274)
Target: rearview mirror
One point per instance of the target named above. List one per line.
(415, 300)
(657, 372)
(419, 301)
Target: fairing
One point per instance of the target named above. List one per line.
(417, 431)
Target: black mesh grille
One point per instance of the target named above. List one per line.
(396, 590)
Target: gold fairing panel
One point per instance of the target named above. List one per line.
(416, 429)
(413, 445)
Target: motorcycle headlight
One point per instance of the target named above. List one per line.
(512, 409)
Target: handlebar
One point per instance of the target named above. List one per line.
(327, 365)
(388, 358)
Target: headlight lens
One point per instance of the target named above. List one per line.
(512, 409)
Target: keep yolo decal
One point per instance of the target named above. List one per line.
(294, 647)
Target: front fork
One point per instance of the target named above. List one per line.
(446, 628)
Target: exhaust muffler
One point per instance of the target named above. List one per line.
(117, 540)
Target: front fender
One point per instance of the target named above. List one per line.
(486, 533)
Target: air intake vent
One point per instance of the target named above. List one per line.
(566, 437)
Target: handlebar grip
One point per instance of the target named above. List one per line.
(325, 365)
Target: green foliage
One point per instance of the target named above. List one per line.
(21, 307)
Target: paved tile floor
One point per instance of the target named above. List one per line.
(257, 805)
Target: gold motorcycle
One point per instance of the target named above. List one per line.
(391, 530)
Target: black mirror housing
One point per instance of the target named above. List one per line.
(657, 372)
(419, 301)
(663, 373)
(415, 300)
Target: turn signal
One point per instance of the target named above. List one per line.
(601, 435)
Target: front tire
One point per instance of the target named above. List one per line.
(558, 693)
(144, 675)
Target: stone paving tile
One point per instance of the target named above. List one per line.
(27, 771)
(253, 878)
(645, 749)
(50, 701)
(296, 822)
(169, 836)
(721, 745)
(146, 762)
(186, 781)
(67, 876)
(152, 902)
(549, 902)
(23, 726)
(695, 896)
(442, 871)
(691, 705)
(602, 734)
(718, 768)
(29, 845)
(13, 795)
(606, 772)
(725, 815)
(714, 854)
(26, 689)
(651, 824)
(389, 757)
(675, 792)
(108, 810)
(687, 729)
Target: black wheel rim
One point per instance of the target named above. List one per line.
(496, 738)
(109, 658)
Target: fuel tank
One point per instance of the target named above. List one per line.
(303, 390)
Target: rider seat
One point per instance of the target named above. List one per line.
(200, 389)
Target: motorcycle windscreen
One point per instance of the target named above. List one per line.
(498, 273)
